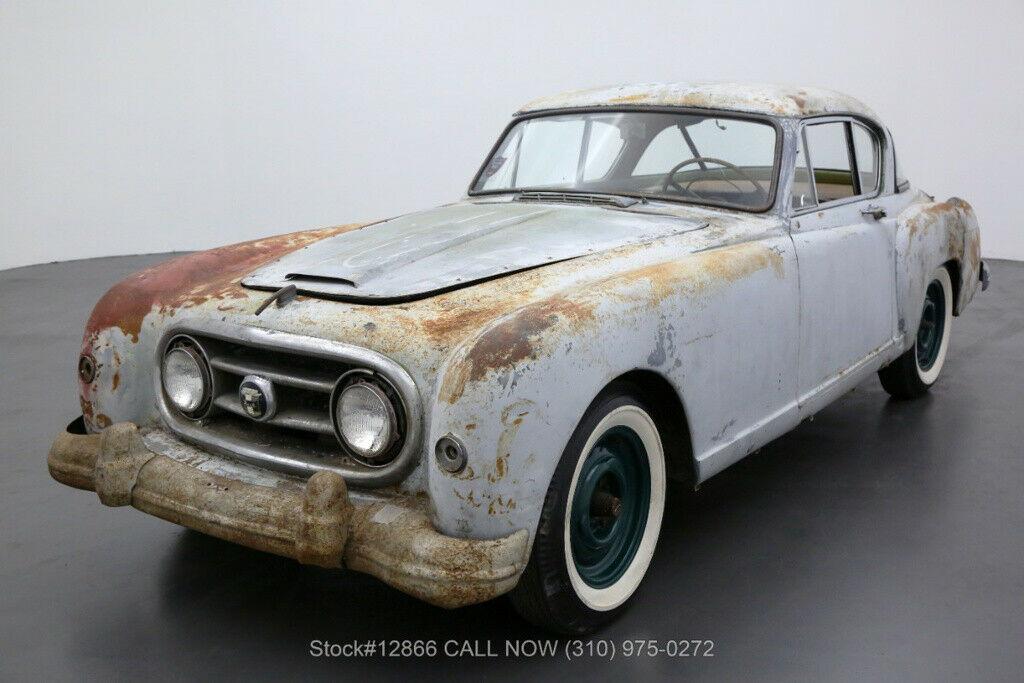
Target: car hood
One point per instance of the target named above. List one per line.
(429, 252)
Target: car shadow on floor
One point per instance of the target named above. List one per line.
(226, 588)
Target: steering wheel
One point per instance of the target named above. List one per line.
(670, 181)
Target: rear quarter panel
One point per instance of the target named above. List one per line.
(928, 235)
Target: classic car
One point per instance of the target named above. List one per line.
(643, 282)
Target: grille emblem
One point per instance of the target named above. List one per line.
(256, 394)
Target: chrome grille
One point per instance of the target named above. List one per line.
(299, 438)
(304, 387)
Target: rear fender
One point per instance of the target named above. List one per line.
(928, 235)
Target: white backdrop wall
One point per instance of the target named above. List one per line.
(138, 126)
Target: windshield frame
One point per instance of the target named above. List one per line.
(719, 113)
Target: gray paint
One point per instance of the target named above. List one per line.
(880, 541)
(777, 321)
(456, 245)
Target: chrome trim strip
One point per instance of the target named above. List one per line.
(242, 368)
(289, 418)
(273, 340)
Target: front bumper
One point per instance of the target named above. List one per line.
(314, 521)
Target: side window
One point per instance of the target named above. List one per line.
(830, 157)
(865, 146)
(845, 161)
(802, 195)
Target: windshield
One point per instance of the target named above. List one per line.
(697, 158)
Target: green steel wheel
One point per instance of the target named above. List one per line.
(609, 507)
(913, 373)
(601, 519)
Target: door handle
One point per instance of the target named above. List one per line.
(875, 212)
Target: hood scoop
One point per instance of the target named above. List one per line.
(453, 246)
(299, 278)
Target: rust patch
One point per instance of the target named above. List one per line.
(193, 279)
(87, 411)
(449, 324)
(974, 248)
(800, 100)
(501, 505)
(500, 469)
(469, 498)
(516, 338)
(116, 381)
(939, 212)
(734, 263)
(467, 474)
(626, 99)
(513, 340)
(511, 418)
(696, 273)
(938, 209)
(954, 243)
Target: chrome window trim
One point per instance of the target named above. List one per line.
(772, 121)
(258, 337)
(849, 120)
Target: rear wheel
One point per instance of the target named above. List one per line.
(601, 520)
(913, 374)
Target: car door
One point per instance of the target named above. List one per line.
(844, 245)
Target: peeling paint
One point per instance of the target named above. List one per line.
(759, 98)
(510, 363)
(193, 279)
(929, 234)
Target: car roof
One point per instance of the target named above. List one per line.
(755, 98)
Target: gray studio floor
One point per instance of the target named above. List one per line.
(882, 540)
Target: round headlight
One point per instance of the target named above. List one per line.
(185, 379)
(366, 420)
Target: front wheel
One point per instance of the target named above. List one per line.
(601, 519)
(913, 374)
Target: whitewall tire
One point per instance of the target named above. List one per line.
(916, 370)
(601, 518)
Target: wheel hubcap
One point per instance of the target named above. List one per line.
(933, 322)
(610, 507)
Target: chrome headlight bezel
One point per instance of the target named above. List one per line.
(194, 352)
(277, 455)
(393, 408)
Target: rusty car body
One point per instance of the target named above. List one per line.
(494, 322)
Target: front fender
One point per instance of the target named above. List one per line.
(514, 395)
(124, 326)
(514, 392)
